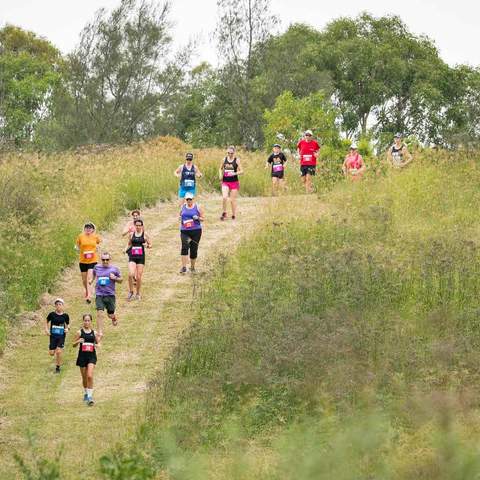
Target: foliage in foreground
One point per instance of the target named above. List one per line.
(344, 348)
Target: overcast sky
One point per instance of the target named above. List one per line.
(453, 25)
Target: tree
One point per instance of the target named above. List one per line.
(119, 77)
(243, 27)
(29, 73)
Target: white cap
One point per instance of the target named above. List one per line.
(308, 132)
(189, 195)
(59, 300)
(354, 145)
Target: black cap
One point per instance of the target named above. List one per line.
(189, 156)
(277, 145)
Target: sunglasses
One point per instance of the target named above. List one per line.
(105, 259)
(189, 199)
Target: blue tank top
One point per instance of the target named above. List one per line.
(187, 180)
(188, 223)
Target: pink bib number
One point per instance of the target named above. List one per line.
(137, 251)
(88, 255)
(229, 173)
(87, 347)
(278, 168)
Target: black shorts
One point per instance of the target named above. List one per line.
(307, 170)
(278, 175)
(137, 260)
(84, 358)
(56, 342)
(106, 302)
(85, 267)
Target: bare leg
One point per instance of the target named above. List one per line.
(233, 201)
(85, 283)
(58, 356)
(89, 375)
(225, 193)
(139, 276)
(131, 275)
(184, 260)
(89, 287)
(192, 263)
(83, 371)
(100, 322)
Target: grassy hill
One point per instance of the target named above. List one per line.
(341, 342)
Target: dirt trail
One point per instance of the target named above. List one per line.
(33, 399)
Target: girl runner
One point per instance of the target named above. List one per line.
(86, 338)
(398, 153)
(136, 258)
(188, 174)
(191, 216)
(86, 245)
(229, 171)
(353, 167)
(277, 160)
(56, 328)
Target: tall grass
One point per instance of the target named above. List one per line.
(345, 346)
(44, 201)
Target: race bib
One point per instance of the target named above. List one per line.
(88, 255)
(88, 347)
(307, 158)
(188, 183)
(278, 168)
(137, 251)
(229, 173)
(103, 281)
(58, 330)
(189, 223)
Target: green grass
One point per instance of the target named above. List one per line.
(346, 346)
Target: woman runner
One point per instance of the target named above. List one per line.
(353, 166)
(191, 216)
(277, 160)
(86, 245)
(130, 225)
(138, 241)
(188, 174)
(229, 171)
(86, 338)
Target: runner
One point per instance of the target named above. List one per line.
(277, 160)
(308, 149)
(87, 340)
(107, 277)
(130, 226)
(188, 174)
(229, 171)
(136, 258)
(398, 153)
(353, 167)
(56, 328)
(191, 216)
(86, 245)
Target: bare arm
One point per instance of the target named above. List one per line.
(408, 156)
(126, 229)
(198, 172)
(77, 339)
(202, 213)
(147, 240)
(240, 168)
(220, 171)
(47, 327)
(177, 171)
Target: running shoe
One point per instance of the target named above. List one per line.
(138, 297)
(192, 269)
(90, 401)
(88, 301)
(183, 270)
(85, 397)
(130, 296)
(57, 369)
(114, 321)
(224, 216)
(233, 217)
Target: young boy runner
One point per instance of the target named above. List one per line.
(56, 328)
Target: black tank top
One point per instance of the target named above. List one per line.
(231, 167)
(397, 154)
(137, 249)
(89, 339)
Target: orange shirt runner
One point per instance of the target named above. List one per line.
(88, 247)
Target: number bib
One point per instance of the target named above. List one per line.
(137, 251)
(103, 281)
(188, 183)
(88, 347)
(229, 173)
(278, 168)
(88, 255)
(58, 330)
(189, 223)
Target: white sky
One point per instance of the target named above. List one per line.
(453, 25)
